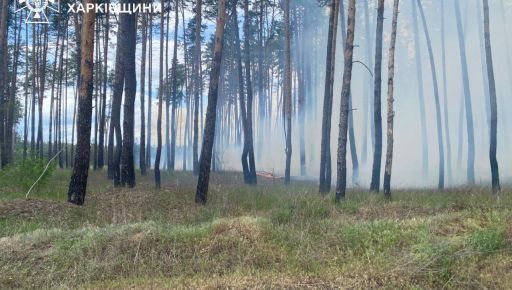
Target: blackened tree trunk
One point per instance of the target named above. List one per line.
(249, 146)
(211, 111)
(325, 151)
(421, 91)
(115, 134)
(78, 183)
(436, 96)
(391, 113)
(142, 156)
(341, 180)
(494, 107)
(287, 97)
(197, 85)
(467, 98)
(130, 91)
(377, 118)
(160, 101)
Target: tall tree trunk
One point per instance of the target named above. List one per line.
(421, 91)
(377, 153)
(197, 84)
(391, 113)
(142, 156)
(101, 155)
(3, 76)
(117, 97)
(436, 96)
(248, 81)
(325, 152)
(150, 95)
(211, 111)
(130, 92)
(42, 81)
(467, 98)
(341, 180)
(287, 97)
(445, 96)
(78, 183)
(160, 101)
(174, 86)
(494, 107)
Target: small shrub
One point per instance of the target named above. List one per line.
(20, 176)
(487, 240)
(282, 215)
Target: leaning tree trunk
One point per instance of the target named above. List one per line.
(421, 91)
(130, 91)
(377, 153)
(494, 107)
(325, 151)
(341, 180)
(391, 113)
(160, 101)
(211, 111)
(287, 97)
(467, 98)
(78, 183)
(436, 95)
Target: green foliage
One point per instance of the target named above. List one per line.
(19, 177)
(487, 240)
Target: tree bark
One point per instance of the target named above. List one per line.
(467, 98)
(495, 175)
(78, 183)
(325, 151)
(287, 97)
(391, 113)
(130, 91)
(211, 111)
(436, 96)
(197, 85)
(377, 153)
(160, 101)
(341, 180)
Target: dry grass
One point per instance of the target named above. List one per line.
(264, 237)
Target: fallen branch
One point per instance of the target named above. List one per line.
(44, 171)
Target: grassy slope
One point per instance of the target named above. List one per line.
(261, 237)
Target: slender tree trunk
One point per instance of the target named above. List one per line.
(421, 91)
(142, 156)
(211, 111)
(325, 152)
(287, 98)
(174, 86)
(377, 153)
(117, 96)
(436, 96)
(248, 80)
(101, 155)
(341, 180)
(445, 95)
(3, 76)
(391, 113)
(197, 84)
(130, 92)
(160, 102)
(467, 98)
(494, 107)
(78, 183)
(150, 94)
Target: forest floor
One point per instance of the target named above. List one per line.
(265, 237)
